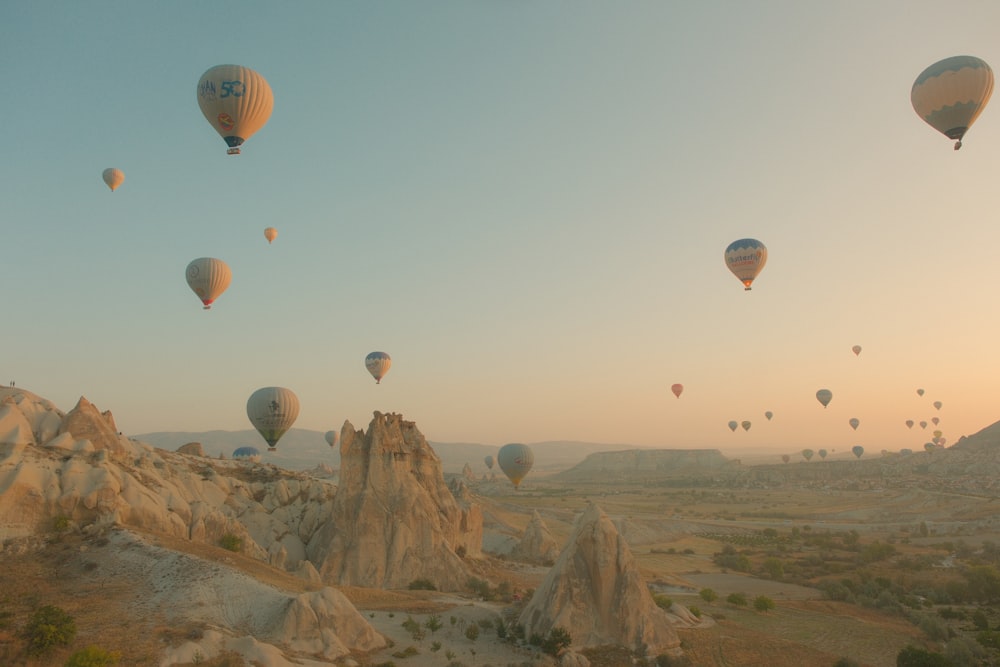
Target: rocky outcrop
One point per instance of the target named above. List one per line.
(85, 422)
(393, 518)
(595, 591)
(537, 544)
(192, 449)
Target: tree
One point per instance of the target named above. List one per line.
(911, 656)
(558, 639)
(708, 595)
(763, 603)
(49, 627)
(737, 599)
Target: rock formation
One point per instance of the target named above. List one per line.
(394, 519)
(85, 422)
(192, 449)
(537, 544)
(595, 592)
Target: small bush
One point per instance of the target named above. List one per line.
(49, 627)
(408, 652)
(695, 610)
(663, 602)
(708, 595)
(558, 639)
(60, 524)
(472, 632)
(737, 599)
(231, 542)
(422, 585)
(763, 603)
(93, 656)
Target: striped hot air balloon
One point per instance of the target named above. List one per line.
(950, 94)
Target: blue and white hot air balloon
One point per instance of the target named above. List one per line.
(746, 258)
(950, 94)
(378, 364)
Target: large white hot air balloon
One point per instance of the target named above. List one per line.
(208, 278)
(113, 177)
(950, 94)
(270, 234)
(236, 101)
(515, 460)
(272, 411)
(745, 258)
(378, 364)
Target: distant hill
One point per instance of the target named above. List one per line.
(986, 439)
(302, 449)
(639, 464)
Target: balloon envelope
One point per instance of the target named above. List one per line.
(768, 414)
(920, 392)
(208, 278)
(247, 454)
(746, 425)
(272, 411)
(950, 94)
(270, 234)
(937, 405)
(923, 424)
(858, 450)
(378, 364)
(824, 396)
(746, 258)
(113, 178)
(854, 422)
(677, 389)
(489, 462)
(733, 426)
(909, 423)
(515, 460)
(330, 437)
(856, 350)
(236, 101)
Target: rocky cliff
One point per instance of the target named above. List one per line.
(393, 519)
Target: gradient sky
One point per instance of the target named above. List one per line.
(525, 203)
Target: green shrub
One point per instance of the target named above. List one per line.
(911, 656)
(737, 599)
(60, 524)
(695, 610)
(708, 595)
(93, 656)
(231, 542)
(49, 627)
(422, 585)
(663, 602)
(472, 632)
(558, 639)
(763, 603)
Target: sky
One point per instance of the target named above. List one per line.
(525, 204)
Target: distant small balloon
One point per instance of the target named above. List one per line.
(745, 425)
(923, 424)
(858, 450)
(824, 396)
(247, 454)
(786, 458)
(378, 364)
(857, 350)
(937, 434)
(822, 453)
(937, 405)
(768, 414)
(909, 423)
(677, 389)
(330, 437)
(270, 233)
(489, 462)
(807, 454)
(935, 420)
(733, 426)
(113, 178)
(920, 392)
(208, 278)
(854, 422)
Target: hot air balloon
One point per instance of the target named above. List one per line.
(270, 233)
(858, 450)
(857, 350)
(236, 101)
(909, 423)
(937, 405)
(920, 392)
(113, 177)
(906, 451)
(937, 434)
(745, 425)
(950, 94)
(768, 414)
(677, 389)
(733, 426)
(515, 460)
(489, 462)
(923, 424)
(824, 396)
(247, 454)
(272, 411)
(935, 420)
(786, 458)
(746, 258)
(854, 422)
(330, 437)
(807, 454)
(822, 453)
(929, 446)
(378, 364)
(208, 278)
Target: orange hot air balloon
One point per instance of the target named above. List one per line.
(270, 234)
(677, 389)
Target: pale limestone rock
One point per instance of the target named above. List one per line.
(537, 543)
(14, 426)
(192, 449)
(595, 592)
(326, 623)
(85, 421)
(393, 518)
